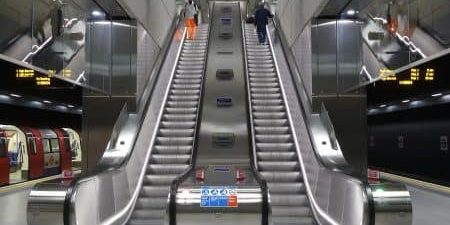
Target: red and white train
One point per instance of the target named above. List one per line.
(28, 153)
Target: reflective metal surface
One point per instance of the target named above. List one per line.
(248, 211)
(392, 204)
(112, 190)
(274, 148)
(335, 198)
(325, 141)
(46, 203)
(223, 152)
(172, 149)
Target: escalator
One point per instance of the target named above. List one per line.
(171, 154)
(276, 154)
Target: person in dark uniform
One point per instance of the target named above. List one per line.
(262, 16)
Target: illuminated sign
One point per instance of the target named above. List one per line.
(51, 73)
(387, 74)
(43, 81)
(67, 73)
(429, 74)
(24, 73)
(415, 75)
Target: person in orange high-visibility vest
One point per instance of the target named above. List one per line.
(190, 10)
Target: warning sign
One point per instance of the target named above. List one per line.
(218, 196)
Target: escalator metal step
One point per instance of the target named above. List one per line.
(284, 176)
(174, 140)
(262, 80)
(184, 92)
(187, 81)
(271, 130)
(166, 168)
(179, 117)
(177, 124)
(170, 159)
(159, 179)
(277, 156)
(275, 147)
(172, 149)
(269, 115)
(176, 132)
(273, 138)
(289, 200)
(182, 104)
(172, 110)
(155, 191)
(270, 122)
(184, 97)
(278, 166)
(287, 188)
(267, 101)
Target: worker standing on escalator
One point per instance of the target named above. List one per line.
(190, 10)
(262, 16)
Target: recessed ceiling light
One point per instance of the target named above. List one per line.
(96, 13)
(383, 105)
(406, 101)
(15, 95)
(436, 95)
(70, 106)
(47, 101)
(351, 12)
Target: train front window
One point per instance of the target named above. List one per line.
(54, 145)
(46, 144)
(32, 146)
(3, 147)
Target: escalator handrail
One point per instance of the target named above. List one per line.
(318, 212)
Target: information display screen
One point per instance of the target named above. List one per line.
(409, 122)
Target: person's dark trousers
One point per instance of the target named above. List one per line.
(262, 33)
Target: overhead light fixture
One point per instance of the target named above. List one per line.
(96, 13)
(351, 12)
(383, 105)
(15, 95)
(47, 101)
(70, 106)
(406, 101)
(436, 95)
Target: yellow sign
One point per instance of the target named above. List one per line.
(405, 82)
(24, 73)
(414, 76)
(51, 73)
(429, 75)
(67, 73)
(43, 81)
(387, 74)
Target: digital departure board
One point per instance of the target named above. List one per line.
(409, 122)
(426, 78)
